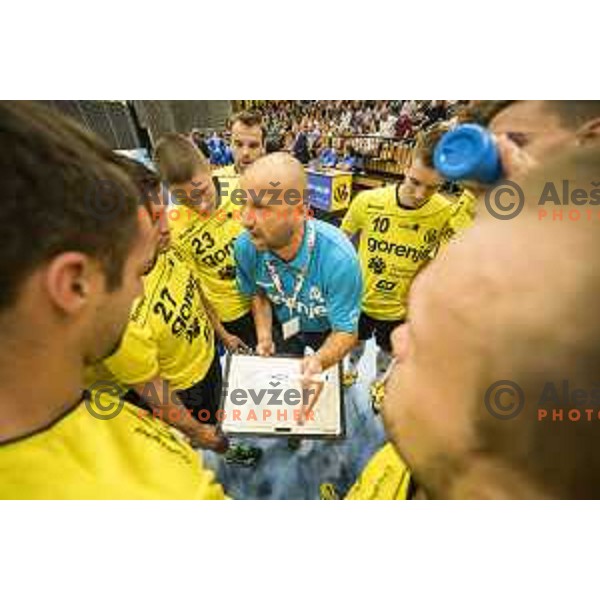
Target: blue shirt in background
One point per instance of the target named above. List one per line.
(328, 157)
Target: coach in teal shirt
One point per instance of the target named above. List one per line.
(330, 295)
(305, 270)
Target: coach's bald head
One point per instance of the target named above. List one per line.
(275, 188)
(512, 301)
(289, 170)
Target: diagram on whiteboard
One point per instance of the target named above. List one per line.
(265, 395)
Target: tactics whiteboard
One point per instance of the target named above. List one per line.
(263, 396)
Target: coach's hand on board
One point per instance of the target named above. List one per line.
(311, 371)
(265, 347)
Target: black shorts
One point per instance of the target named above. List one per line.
(202, 399)
(244, 328)
(382, 329)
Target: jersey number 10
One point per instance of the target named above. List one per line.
(381, 224)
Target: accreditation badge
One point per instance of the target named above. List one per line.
(291, 328)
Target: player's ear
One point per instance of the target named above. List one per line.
(589, 133)
(69, 280)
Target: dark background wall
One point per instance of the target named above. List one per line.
(139, 123)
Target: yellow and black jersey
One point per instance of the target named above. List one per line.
(226, 171)
(229, 180)
(469, 203)
(169, 334)
(395, 243)
(207, 244)
(386, 477)
(129, 455)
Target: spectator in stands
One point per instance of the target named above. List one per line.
(355, 117)
(328, 156)
(288, 140)
(198, 139)
(301, 149)
(411, 107)
(314, 135)
(274, 143)
(387, 127)
(351, 161)
(216, 146)
(404, 127)
(436, 111)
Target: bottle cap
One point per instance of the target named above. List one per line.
(468, 152)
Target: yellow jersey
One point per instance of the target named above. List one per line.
(207, 244)
(395, 243)
(229, 180)
(469, 201)
(169, 333)
(129, 456)
(227, 171)
(386, 477)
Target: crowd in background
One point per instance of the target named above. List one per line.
(322, 118)
(312, 129)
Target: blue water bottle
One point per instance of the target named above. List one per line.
(468, 152)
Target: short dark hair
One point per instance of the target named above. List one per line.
(426, 143)
(62, 190)
(178, 159)
(572, 113)
(575, 113)
(482, 112)
(250, 119)
(146, 181)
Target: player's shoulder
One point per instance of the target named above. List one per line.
(438, 206)
(334, 242)
(467, 195)
(229, 206)
(180, 218)
(225, 172)
(376, 197)
(440, 202)
(360, 201)
(227, 184)
(176, 255)
(157, 278)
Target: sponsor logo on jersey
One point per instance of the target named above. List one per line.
(400, 250)
(386, 286)
(377, 265)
